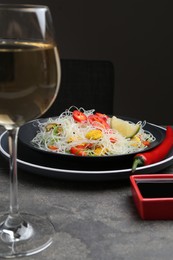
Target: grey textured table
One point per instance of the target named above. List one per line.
(92, 220)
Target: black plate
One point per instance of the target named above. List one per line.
(28, 132)
(38, 163)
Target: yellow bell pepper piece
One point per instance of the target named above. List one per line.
(94, 134)
(135, 141)
(100, 150)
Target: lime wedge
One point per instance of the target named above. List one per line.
(125, 128)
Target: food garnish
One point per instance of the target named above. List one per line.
(86, 133)
(127, 129)
(79, 116)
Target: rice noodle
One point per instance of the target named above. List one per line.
(74, 133)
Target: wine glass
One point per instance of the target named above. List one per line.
(29, 83)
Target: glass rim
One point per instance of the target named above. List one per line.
(23, 6)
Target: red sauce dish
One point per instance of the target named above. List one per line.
(153, 195)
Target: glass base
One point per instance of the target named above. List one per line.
(28, 235)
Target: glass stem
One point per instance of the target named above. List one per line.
(14, 228)
(12, 140)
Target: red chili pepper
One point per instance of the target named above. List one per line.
(79, 116)
(104, 116)
(98, 121)
(157, 154)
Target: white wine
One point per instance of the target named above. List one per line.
(29, 81)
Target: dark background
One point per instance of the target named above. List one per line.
(135, 35)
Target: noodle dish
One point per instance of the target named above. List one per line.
(83, 132)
